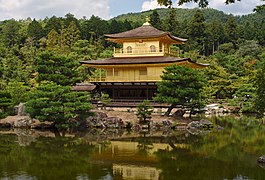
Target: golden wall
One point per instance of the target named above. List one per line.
(137, 74)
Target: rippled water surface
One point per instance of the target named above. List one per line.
(229, 153)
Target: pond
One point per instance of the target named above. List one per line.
(229, 152)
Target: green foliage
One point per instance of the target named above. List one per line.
(70, 36)
(5, 101)
(260, 8)
(59, 69)
(53, 23)
(10, 32)
(105, 99)
(12, 66)
(155, 20)
(227, 48)
(53, 40)
(197, 32)
(201, 3)
(219, 84)
(231, 30)
(170, 23)
(144, 111)
(18, 92)
(244, 97)
(35, 30)
(260, 89)
(215, 35)
(93, 28)
(249, 48)
(58, 104)
(181, 85)
(87, 51)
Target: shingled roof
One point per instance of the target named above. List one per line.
(145, 31)
(138, 60)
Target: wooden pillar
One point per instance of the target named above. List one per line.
(100, 74)
(113, 93)
(147, 94)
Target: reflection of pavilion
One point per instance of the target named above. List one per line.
(130, 160)
(136, 172)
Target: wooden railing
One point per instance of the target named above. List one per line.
(123, 52)
(141, 78)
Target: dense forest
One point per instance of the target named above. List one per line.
(36, 52)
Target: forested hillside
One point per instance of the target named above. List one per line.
(232, 45)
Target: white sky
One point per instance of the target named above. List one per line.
(22, 9)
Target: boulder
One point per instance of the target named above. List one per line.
(206, 124)
(166, 122)
(179, 113)
(20, 109)
(4, 124)
(220, 127)
(114, 122)
(36, 124)
(16, 121)
(261, 159)
(202, 124)
(194, 125)
(22, 122)
(101, 120)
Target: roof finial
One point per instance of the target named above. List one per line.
(147, 19)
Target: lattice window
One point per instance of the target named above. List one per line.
(152, 48)
(129, 49)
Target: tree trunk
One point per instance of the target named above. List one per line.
(56, 132)
(213, 48)
(170, 109)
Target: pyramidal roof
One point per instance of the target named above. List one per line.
(144, 31)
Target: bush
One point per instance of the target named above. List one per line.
(144, 111)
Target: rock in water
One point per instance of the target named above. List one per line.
(206, 124)
(202, 124)
(261, 159)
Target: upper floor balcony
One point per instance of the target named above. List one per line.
(151, 51)
(124, 79)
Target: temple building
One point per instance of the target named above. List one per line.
(135, 68)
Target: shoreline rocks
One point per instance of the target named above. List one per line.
(24, 122)
(261, 159)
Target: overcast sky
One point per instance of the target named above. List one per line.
(39, 9)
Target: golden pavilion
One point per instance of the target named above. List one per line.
(135, 68)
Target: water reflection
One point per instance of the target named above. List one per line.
(230, 153)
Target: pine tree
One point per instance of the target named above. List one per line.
(155, 20)
(35, 30)
(60, 69)
(171, 23)
(196, 32)
(53, 40)
(70, 36)
(144, 111)
(10, 31)
(231, 30)
(215, 35)
(58, 104)
(53, 23)
(260, 89)
(180, 86)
